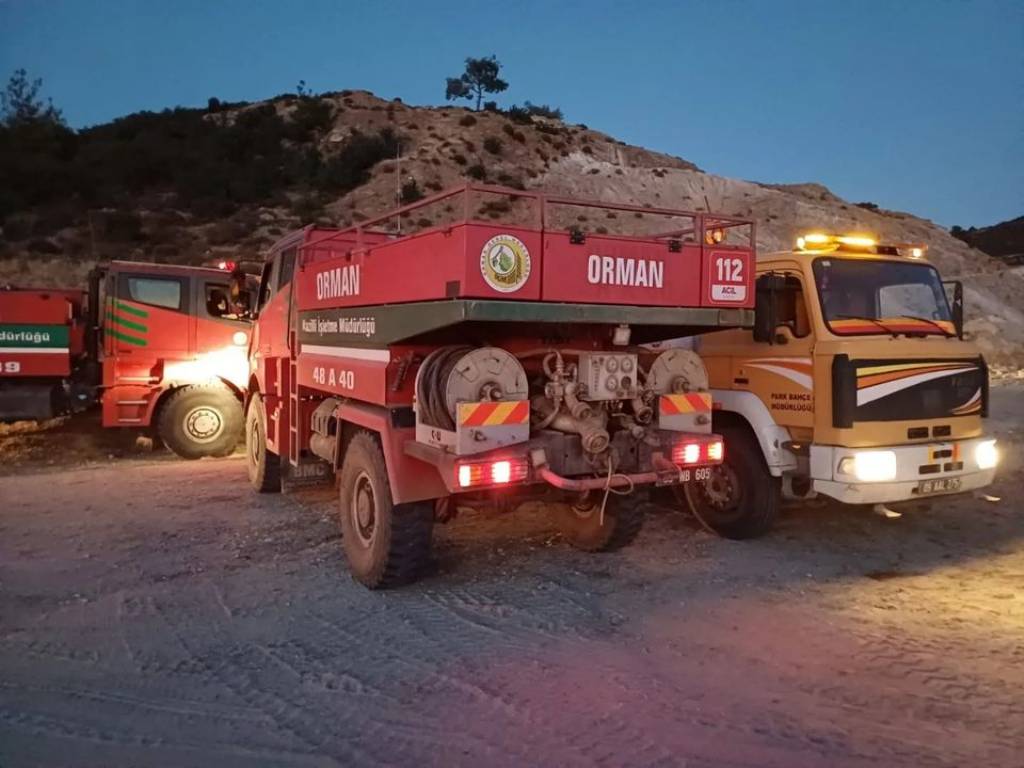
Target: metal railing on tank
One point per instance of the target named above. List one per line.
(495, 205)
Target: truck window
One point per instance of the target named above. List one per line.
(871, 296)
(286, 268)
(910, 299)
(155, 291)
(267, 280)
(791, 307)
(217, 304)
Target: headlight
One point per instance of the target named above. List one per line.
(986, 455)
(870, 466)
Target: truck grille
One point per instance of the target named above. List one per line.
(908, 390)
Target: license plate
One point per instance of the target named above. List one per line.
(939, 485)
(685, 476)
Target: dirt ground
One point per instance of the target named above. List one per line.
(156, 613)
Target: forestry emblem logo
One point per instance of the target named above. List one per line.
(505, 263)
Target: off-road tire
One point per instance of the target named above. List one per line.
(201, 420)
(581, 524)
(264, 465)
(386, 544)
(756, 496)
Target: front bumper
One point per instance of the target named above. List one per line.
(914, 465)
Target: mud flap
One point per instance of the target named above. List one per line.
(35, 402)
(310, 473)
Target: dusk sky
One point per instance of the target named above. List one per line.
(916, 106)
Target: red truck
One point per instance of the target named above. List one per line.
(154, 344)
(474, 362)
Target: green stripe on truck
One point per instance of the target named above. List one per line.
(131, 310)
(127, 323)
(126, 338)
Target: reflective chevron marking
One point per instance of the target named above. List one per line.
(692, 402)
(494, 414)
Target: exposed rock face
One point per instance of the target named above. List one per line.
(443, 146)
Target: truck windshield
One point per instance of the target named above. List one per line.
(865, 296)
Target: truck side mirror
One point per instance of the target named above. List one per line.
(765, 319)
(955, 296)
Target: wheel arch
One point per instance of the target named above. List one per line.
(170, 389)
(748, 410)
(409, 479)
(253, 388)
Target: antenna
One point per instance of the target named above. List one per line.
(398, 181)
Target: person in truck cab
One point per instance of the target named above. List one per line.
(846, 301)
(217, 303)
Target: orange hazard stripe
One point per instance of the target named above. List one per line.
(693, 402)
(871, 380)
(494, 414)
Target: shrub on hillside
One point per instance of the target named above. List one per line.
(351, 166)
(44, 245)
(518, 115)
(312, 116)
(411, 192)
(543, 110)
(121, 226)
(508, 180)
(18, 226)
(308, 208)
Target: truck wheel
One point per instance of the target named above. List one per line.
(263, 464)
(201, 420)
(742, 499)
(386, 544)
(581, 524)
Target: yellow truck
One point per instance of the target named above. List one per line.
(855, 383)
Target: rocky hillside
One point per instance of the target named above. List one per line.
(1004, 240)
(351, 141)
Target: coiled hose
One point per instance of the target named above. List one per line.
(433, 380)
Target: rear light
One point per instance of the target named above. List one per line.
(716, 451)
(488, 473)
(689, 452)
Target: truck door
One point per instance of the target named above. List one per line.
(149, 316)
(270, 341)
(270, 345)
(781, 371)
(147, 325)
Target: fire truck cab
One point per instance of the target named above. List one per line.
(485, 346)
(155, 345)
(855, 383)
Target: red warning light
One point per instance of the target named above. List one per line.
(485, 473)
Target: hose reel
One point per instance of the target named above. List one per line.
(677, 371)
(461, 374)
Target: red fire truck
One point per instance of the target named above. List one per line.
(155, 344)
(474, 361)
